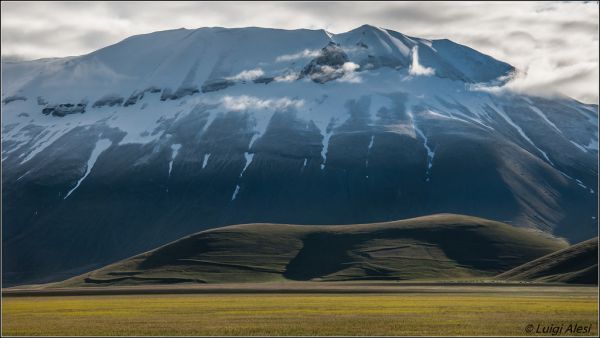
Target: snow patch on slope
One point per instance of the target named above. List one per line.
(249, 157)
(369, 152)
(235, 192)
(325, 148)
(430, 153)
(544, 117)
(174, 150)
(579, 146)
(45, 139)
(521, 132)
(205, 160)
(99, 148)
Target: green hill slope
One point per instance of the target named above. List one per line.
(576, 264)
(432, 247)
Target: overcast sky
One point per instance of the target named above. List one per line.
(555, 45)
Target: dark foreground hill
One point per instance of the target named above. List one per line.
(576, 264)
(433, 247)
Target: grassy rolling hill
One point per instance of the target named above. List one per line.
(575, 264)
(432, 247)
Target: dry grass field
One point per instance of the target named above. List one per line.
(477, 312)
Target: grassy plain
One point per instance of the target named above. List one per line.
(480, 311)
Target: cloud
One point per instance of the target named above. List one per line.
(247, 75)
(245, 102)
(416, 68)
(12, 58)
(350, 75)
(305, 54)
(345, 73)
(287, 77)
(349, 67)
(561, 36)
(538, 81)
(546, 76)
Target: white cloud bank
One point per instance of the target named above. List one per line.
(416, 68)
(245, 102)
(545, 79)
(247, 75)
(305, 54)
(350, 75)
(554, 44)
(287, 77)
(345, 73)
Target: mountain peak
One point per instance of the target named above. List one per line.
(367, 27)
(172, 58)
(167, 133)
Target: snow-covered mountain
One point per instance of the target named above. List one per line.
(164, 134)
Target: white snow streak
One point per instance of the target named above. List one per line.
(579, 183)
(100, 147)
(522, 133)
(325, 148)
(593, 145)
(369, 150)
(430, 153)
(544, 117)
(205, 160)
(371, 142)
(174, 150)
(254, 138)
(579, 146)
(249, 158)
(43, 142)
(25, 174)
(237, 189)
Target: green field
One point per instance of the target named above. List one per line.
(418, 313)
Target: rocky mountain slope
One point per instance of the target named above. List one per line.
(161, 135)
